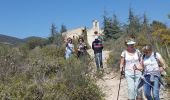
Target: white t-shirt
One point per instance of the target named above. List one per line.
(69, 48)
(130, 61)
(151, 64)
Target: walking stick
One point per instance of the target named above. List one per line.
(122, 73)
(135, 80)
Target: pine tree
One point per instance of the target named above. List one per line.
(169, 16)
(63, 29)
(107, 27)
(134, 23)
(146, 30)
(54, 32)
(116, 32)
(111, 27)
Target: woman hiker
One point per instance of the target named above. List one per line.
(69, 48)
(81, 48)
(130, 64)
(153, 65)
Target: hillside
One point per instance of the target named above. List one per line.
(10, 40)
(4, 39)
(30, 38)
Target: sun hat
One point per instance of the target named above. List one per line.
(96, 37)
(130, 41)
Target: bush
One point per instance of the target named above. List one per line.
(36, 42)
(47, 75)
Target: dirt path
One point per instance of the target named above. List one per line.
(110, 82)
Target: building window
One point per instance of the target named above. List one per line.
(95, 24)
(95, 32)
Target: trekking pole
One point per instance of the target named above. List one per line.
(135, 80)
(134, 73)
(121, 74)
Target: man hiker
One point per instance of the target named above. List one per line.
(97, 47)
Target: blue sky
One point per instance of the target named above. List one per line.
(23, 18)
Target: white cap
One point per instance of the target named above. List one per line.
(96, 37)
(130, 42)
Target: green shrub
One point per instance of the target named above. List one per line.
(43, 73)
(36, 42)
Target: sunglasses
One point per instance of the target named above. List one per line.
(131, 45)
(146, 52)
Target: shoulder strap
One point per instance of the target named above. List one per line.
(155, 55)
(139, 55)
(124, 53)
(143, 56)
(158, 61)
(124, 60)
(69, 47)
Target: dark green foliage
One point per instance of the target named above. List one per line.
(56, 37)
(53, 30)
(36, 42)
(59, 40)
(144, 36)
(155, 25)
(134, 23)
(111, 27)
(54, 34)
(116, 27)
(63, 29)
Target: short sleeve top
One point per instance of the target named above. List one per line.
(131, 60)
(151, 65)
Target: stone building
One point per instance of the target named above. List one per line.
(75, 33)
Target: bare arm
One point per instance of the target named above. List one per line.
(141, 66)
(122, 61)
(163, 64)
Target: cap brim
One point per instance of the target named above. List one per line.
(131, 42)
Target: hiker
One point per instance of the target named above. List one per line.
(130, 66)
(81, 48)
(97, 47)
(69, 48)
(153, 65)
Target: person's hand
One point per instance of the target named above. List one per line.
(161, 69)
(135, 67)
(122, 72)
(85, 47)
